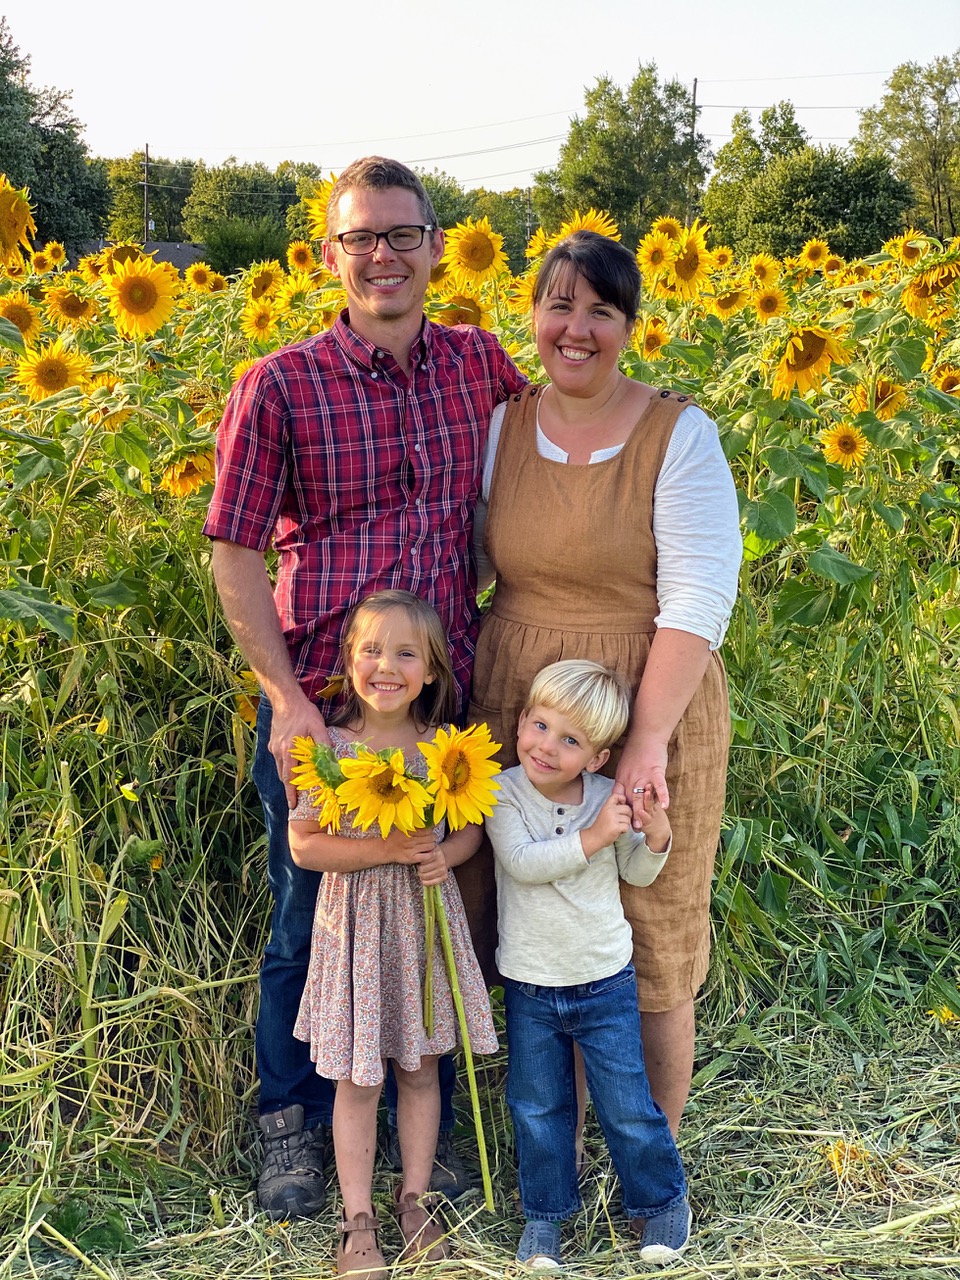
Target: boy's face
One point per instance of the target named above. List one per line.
(554, 751)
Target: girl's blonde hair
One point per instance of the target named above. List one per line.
(594, 698)
(436, 703)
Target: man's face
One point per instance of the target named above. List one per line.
(382, 286)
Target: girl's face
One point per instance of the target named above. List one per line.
(388, 663)
(579, 337)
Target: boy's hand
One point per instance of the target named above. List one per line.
(612, 821)
(652, 820)
(432, 866)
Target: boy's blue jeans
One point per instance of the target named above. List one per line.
(543, 1024)
(287, 1076)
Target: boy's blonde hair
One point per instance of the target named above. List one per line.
(594, 698)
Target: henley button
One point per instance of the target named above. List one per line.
(559, 831)
(560, 812)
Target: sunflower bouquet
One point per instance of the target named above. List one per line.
(377, 786)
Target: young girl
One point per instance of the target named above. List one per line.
(362, 1003)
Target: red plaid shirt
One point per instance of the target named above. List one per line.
(363, 479)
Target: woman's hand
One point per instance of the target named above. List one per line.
(432, 867)
(642, 766)
(407, 849)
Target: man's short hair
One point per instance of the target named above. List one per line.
(377, 173)
(594, 698)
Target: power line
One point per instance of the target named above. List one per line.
(823, 75)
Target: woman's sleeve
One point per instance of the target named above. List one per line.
(696, 525)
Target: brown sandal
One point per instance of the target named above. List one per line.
(366, 1263)
(423, 1238)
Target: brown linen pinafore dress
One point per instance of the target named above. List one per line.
(576, 565)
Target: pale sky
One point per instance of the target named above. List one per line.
(483, 91)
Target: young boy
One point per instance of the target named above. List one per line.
(562, 837)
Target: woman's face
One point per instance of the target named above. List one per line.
(579, 337)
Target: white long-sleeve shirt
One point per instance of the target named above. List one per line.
(696, 524)
(559, 913)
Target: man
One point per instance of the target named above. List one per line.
(358, 452)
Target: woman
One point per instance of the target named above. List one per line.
(613, 530)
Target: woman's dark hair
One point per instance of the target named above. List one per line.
(608, 267)
(437, 702)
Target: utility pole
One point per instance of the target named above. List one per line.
(146, 192)
(693, 130)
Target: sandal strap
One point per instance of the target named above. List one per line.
(360, 1222)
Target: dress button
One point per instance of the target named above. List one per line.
(559, 831)
(560, 812)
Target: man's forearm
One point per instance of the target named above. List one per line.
(246, 595)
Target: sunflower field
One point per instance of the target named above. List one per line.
(133, 898)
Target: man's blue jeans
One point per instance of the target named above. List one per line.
(543, 1024)
(287, 1076)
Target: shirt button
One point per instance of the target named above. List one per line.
(379, 354)
(559, 831)
(416, 448)
(560, 812)
(374, 374)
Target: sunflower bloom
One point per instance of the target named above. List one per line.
(295, 290)
(55, 252)
(463, 308)
(217, 282)
(102, 415)
(728, 303)
(474, 252)
(380, 790)
(538, 245)
(51, 369)
(886, 402)
(672, 228)
(118, 254)
(316, 207)
(651, 338)
(247, 697)
(722, 256)
(69, 308)
(18, 308)
(317, 772)
(846, 445)
(140, 296)
(40, 263)
(593, 220)
(91, 267)
(810, 352)
(764, 268)
(460, 774)
(947, 378)
(833, 265)
(264, 279)
(198, 276)
(769, 302)
(655, 252)
(189, 474)
(520, 294)
(908, 248)
(813, 254)
(689, 269)
(16, 222)
(300, 256)
(258, 320)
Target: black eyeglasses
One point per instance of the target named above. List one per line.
(400, 239)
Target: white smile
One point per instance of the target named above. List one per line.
(386, 281)
(574, 353)
(387, 688)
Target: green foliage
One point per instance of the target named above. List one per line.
(170, 182)
(853, 202)
(917, 124)
(741, 160)
(511, 214)
(451, 203)
(41, 148)
(233, 244)
(251, 193)
(635, 153)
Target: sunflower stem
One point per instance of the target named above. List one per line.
(451, 965)
(430, 933)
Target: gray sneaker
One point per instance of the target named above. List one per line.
(449, 1177)
(291, 1179)
(539, 1247)
(667, 1235)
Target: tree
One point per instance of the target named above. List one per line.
(41, 148)
(917, 124)
(234, 243)
(451, 202)
(744, 158)
(853, 202)
(635, 153)
(249, 192)
(170, 183)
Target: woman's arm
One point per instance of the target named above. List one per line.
(313, 848)
(675, 667)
